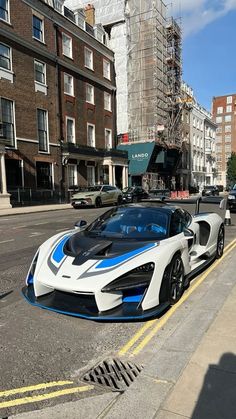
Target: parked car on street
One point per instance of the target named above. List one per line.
(131, 263)
(232, 198)
(134, 194)
(210, 190)
(97, 196)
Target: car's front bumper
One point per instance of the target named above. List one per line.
(84, 306)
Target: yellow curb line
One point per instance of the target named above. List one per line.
(41, 397)
(160, 323)
(33, 388)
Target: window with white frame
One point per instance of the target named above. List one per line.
(194, 139)
(107, 101)
(228, 118)
(5, 57)
(44, 175)
(4, 10)
(220, 109)
(228, 108)
(7, 120)
(72, 175)
(229, 100)
(90, 175)
(68, 84)
(218, 157)
(218, 119)
(42, 125)
(67, 45)
(40, 71)
(228, 128)
(89, 93)
(38, 28)
(91, 135)
(218, 148)
(228, 148)
(107, 69)
(218, 130)
(88, 58)
(108, 139)
(228, 138)
(70, 130)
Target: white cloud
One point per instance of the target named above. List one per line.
(197, 14)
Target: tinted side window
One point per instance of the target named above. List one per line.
(179, 220)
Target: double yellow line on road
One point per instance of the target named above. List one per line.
(142, 338)
(39, 397)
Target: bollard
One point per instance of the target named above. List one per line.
(227, 221)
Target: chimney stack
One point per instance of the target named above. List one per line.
(90, 14)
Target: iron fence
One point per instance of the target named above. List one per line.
(27, 197)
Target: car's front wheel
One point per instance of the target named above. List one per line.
(220, 242)
(119, 200)
(174, 277)
(98, 202)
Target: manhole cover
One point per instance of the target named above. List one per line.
(114, 374)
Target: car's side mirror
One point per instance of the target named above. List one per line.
(80, 224)
(189, 234)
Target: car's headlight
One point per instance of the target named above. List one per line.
(138, 277)
(30, 276)
(231, 197)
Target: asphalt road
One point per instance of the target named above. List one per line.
(38, 346)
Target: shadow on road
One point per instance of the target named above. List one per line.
(217, 399)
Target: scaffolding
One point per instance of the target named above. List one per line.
(174, 78)
(146, 68)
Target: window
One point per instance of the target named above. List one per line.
(220, 109)
(4, 10)
(228, 148)
(44, 175)
(108, 139)
(228, 138)
(7, 120)
(228, 118)
(40, 72)
(194, 121)
(90, 175)
(107, 101)
(229, 99)
(42, 120)
(218, 148)
(67, 45)
(194, 139)
(218, 157)
(91, 135)
(70, 130)
(38, 28)
(227, 156)
(218, 130)
(68, 84)
(219, 138)
(89, 93)
(5, 57)
(227, 128)
(229, 108)
(107, 69)
(88, 58)
(218, 119)
(72, 175)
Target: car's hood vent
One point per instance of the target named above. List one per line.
(82, 248)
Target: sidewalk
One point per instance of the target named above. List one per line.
(189, 367)
(36, 208)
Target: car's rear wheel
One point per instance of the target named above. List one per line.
(174, 277)
(98, 202)
(119, 200)
(220, 242)
(135, 198)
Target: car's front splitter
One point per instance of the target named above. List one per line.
(85, 307)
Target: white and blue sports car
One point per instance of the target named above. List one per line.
(130, 263)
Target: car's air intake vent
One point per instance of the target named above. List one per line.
(114, 374)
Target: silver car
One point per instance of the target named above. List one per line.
(97, 196)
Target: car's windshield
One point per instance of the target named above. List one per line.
(128, 189)
(131, 223)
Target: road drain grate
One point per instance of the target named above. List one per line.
(114, 374)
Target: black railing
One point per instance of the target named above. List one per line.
(27, 197)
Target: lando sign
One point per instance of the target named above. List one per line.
(139, 155)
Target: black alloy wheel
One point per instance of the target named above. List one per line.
(220, 242)
(119, 200)
(98, 202)
(175, 277)
(135, 198)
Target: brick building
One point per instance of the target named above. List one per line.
(57, 99)
(223, 109)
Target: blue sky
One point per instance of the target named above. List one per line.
(209, 59)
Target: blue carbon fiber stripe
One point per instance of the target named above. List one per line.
(108, 263)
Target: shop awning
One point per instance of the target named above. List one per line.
(139, 155)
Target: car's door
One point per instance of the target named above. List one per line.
(107, 194)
